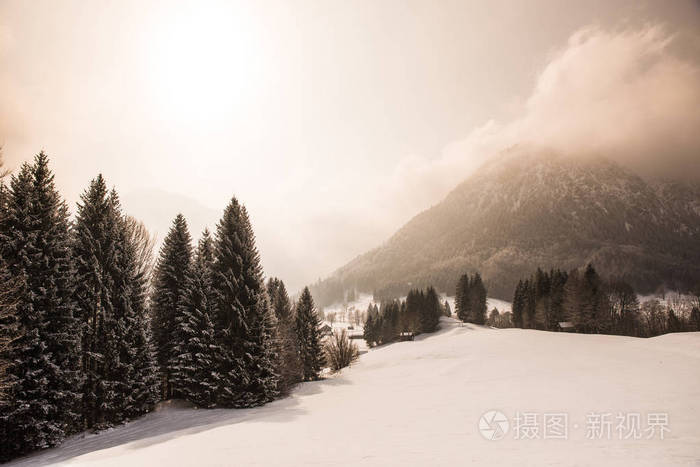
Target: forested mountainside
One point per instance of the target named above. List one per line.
(529, 209)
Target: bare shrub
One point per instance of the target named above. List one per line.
(340, 351)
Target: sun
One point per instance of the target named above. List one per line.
(203, 64)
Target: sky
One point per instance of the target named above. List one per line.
(335, 122)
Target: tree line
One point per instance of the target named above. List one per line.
(91, 335)
(420, 312)
(582, 301)
(470, 299)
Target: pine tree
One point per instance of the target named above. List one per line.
(448, 310)
(194, 355)
(94, 249)
(529, 321)
(518, 305)
(118, 359)
(430, 312)
(390, 314)
(43, 404)
(168, 295)
(309, 336)
(412, 315)
(462, 302)
(673, 323)
(369, 327)
(136, 342)
(695, 319)
(245, 323)
(477, 297)
(290, 369)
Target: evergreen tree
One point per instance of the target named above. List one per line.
(245, 324)
(309, 336)
(290, 368)
(530, 311)
(118, 359)
(673, 323)
(168, 296)
(194, 355)
(42, 401)
(94, 251)
(369, 328)
(411, 318)
(430, 312)
(477, 297)
(462, 301)
(695, 319)
(447, 309)
(518, 305)
(556, 300)
(134, 338)
(390, 315)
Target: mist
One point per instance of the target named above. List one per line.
(625, 95)
(334, 133)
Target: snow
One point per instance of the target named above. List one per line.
(419, 403)
(491, 303)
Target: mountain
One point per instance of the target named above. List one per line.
(532, 208)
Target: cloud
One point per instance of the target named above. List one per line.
(625, 95)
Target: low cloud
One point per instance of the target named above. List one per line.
(626, 95)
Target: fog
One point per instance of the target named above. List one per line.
(335, 122)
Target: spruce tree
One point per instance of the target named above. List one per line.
(309, 336)
(518, 305)
(42, 401)
(94, 250)
(477, 295)
(412, 315)
(195, 353)
(245, 324)
(462, 298)
(168, 295)
(447, 309)
(118, 359)
(290, 368)
(430, 312)
(368, 329)
(136, 340)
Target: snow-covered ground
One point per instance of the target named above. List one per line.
(420, 403)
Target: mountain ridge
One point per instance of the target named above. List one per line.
(534, 208)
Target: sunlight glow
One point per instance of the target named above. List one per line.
(203, 65)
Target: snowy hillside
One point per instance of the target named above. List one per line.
(420, 403)
(532, 208)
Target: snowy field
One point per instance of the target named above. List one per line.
(420, 403)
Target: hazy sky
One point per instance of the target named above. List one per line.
(335, 121)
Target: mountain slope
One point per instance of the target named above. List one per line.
(536, 209)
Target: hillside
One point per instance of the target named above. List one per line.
(419, 403)
(532, 209)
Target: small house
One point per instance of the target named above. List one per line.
(567, 326)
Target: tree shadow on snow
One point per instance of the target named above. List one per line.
(173, 421)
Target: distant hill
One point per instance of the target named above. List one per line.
(530, 209)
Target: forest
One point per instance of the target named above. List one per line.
(95, 332)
